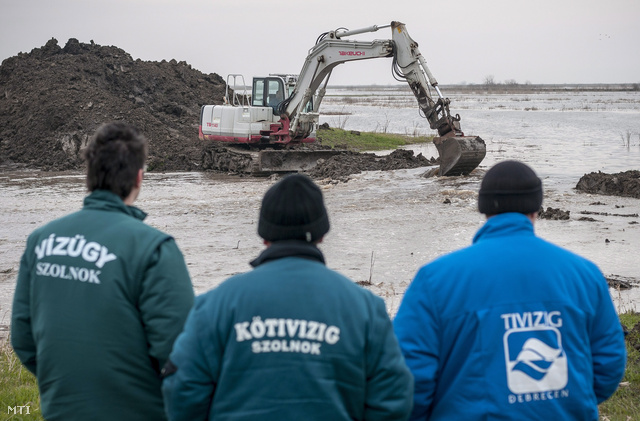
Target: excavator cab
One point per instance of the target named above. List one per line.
(267, 92)
(273, 90)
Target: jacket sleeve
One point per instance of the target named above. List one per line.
(389, 390)
(416, 327)
(21, 332)
(188, 391)
(165, 300)
(608, 349)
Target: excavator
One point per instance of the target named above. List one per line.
(283, 110)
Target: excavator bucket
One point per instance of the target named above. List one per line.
(459, 155)
(292, 160)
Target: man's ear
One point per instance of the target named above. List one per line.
(139, 178)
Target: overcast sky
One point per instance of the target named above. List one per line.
(463, 41)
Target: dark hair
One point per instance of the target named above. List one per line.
(114, 156)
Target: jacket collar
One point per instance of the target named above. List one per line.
(505, 224)
(289, 248)
(108, 201)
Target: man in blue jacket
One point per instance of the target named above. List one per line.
(291, 339)
(512, 327)
(101, 296)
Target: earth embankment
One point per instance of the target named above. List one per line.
(53, 99)
(625, 183)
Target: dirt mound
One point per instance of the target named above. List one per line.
(53, 99)
(553, 214)
(621, 184)
(340, 167)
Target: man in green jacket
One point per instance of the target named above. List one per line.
(101, 296)
(291, 339)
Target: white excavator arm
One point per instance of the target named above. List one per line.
(333, 49)
(329, 51)
(459, 154)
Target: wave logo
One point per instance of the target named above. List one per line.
(535, 360)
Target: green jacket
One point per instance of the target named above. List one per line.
(289, 340)
(99, 301)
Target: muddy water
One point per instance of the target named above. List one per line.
(384, 225)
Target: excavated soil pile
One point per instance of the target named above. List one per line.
(553, 214)
(621, 184)
(340, 167)
(53, 99)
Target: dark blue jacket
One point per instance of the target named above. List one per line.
(511, 327)
(289, 340)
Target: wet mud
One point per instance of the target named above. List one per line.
(554, 214)
(341, 167)
(625, 183)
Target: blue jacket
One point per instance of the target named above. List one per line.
(289, 340)
(511, 327)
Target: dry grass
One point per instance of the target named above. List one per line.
(624, 405)
(19, 396)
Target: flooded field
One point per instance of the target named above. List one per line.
(384, 225)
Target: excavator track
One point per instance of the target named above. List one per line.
(459, 155)
(291, 160)
(243, 160)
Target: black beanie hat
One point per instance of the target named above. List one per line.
(293, 209)
(510, 186)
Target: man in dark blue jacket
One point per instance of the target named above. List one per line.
(511, 327)
(291, 339)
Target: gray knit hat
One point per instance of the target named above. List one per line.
(293, 209)
(510, 186)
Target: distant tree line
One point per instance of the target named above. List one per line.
(490, 83)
